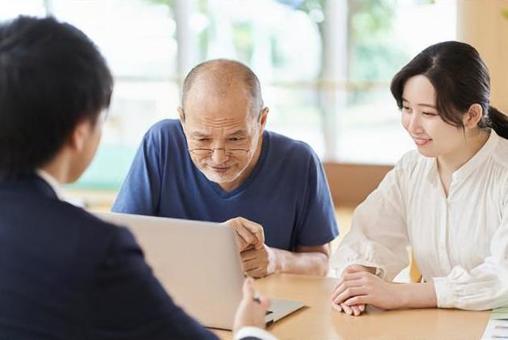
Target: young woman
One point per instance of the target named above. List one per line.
(65, 274)
(448, 200)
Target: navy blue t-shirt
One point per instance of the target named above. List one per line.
(287, 192)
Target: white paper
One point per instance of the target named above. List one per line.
(496, 329)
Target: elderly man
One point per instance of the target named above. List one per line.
(218, 163)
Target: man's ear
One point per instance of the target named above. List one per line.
(78, 136)
(473, 116)
(181, 114)
(263, 116)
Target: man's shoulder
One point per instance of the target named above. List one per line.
(51, 221)
(285, 145)
(82, 219)
(165, 134)
(96, 235)
(165, 127)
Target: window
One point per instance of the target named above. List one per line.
(325, 66)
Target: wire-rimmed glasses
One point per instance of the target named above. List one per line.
(207, 152)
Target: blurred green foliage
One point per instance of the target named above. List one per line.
(373, 55)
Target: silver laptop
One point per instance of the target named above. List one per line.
(198, 264)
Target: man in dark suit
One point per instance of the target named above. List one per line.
(65, 274)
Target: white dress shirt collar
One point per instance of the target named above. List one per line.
(52, 182)
(470, 166)
(477, 160)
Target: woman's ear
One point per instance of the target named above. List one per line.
(473, 116)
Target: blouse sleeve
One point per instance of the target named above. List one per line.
(378, 236)
(486, 285)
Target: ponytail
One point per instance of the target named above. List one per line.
(498, 121)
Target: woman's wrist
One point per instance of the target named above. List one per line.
(417, 295)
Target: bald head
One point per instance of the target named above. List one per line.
(219, 77)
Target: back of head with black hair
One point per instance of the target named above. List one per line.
(460, 79)
(52, 77)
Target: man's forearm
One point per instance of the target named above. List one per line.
(310, 263)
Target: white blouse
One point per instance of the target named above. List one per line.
(460, 241)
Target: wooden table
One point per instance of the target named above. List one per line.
(319, 321)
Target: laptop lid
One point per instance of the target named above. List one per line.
(198, 264)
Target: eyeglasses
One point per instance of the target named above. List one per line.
(207, 152)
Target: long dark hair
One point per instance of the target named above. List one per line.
(460, 79)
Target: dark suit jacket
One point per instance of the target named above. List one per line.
(65, 274)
